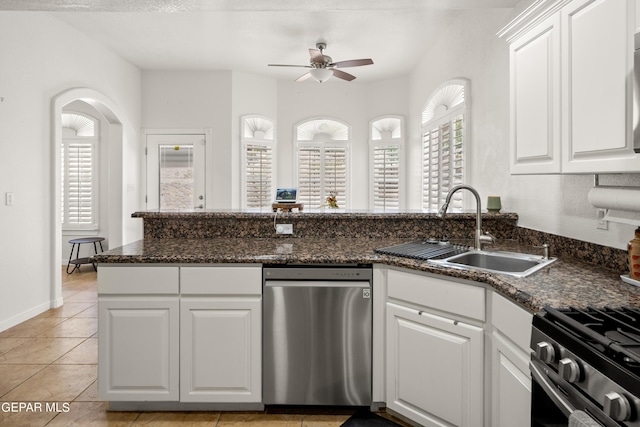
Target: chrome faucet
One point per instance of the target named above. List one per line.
(480, 239)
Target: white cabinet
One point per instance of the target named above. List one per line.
(180, 333)
(535, 99)
(434, 360)
(138, 335)
(597, 65)
(571, 88)
(220, 334)
(509, 369)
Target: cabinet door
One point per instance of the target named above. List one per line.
(138, 348)
(434, 368)
(511, 386)
(597, 39)
(221, 345)
(535, 99)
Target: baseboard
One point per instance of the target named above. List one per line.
(182, 406)
(26, 315)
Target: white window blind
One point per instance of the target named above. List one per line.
(79, 192)
(258, 172)
(443, 163)
(444, 143)
(386, 177)
(258, 161)
(385, 156)
(323, 162)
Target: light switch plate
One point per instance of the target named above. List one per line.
(603, 224)
(8, 199)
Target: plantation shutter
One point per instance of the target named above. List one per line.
(78, 189)
(310, 176)
(335, 173)
(443, 163)
(258, 175)
(386, 177)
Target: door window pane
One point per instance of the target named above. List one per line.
(176, 177)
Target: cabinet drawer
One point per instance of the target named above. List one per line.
(511, 320)
(221, 280)
(136, 279)
(444, 295)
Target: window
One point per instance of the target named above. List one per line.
(258, 146)
(385, 154)
(444, 139)
(79, 157)
(322, 162)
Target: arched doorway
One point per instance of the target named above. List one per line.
(113, 137)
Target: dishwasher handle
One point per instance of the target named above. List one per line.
(317, 284)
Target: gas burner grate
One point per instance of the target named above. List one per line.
(424, 250)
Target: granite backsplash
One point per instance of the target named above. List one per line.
(403, 225)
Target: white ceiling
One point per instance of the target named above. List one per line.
(246, 35)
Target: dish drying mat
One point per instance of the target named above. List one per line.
(423, 250)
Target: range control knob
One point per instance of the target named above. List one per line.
(617, 406)
(569, 370)
(545, 352)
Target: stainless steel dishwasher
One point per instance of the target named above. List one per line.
(317, 335)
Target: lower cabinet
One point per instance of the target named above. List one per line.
(138, 348)
(180, 334)
(220, 350)
(510, 375)
(434, 363)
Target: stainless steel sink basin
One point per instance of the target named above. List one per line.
(511, 263)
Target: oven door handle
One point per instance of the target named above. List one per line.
(551, 389)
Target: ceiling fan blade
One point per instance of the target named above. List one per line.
(287, 65)
(316, 56)
(342, 75)
(303, 77)
(352, 63)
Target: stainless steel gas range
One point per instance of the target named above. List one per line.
(586, 361)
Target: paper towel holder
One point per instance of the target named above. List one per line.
(620, 204)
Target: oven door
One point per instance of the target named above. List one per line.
(554, 400)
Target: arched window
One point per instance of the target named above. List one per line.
(322, 162)
(258, 161)
(79, 156)
(386, 140)
(444, 141)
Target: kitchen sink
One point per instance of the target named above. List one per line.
(510, 263)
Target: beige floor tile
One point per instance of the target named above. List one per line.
(236, 419)
(14, 375)
(324, 420)
(68, 309)
(61, 383)
(7, 344)
(77, 327)
(83, 296)
(92, 311)
(32, 327)
(92, 414)
(17, 418)
(40, 351)
(90, 394)
(84, 354)
(182, 419)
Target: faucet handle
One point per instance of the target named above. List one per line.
(545, 250)
(487, 239)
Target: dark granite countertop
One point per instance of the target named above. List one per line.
(566, 282)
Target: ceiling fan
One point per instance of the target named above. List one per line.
(323, 67)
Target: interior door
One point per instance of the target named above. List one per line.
(176, 172)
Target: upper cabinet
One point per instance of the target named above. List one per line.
(571, 67)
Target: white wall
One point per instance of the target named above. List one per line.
(555, 204)
(40, 60)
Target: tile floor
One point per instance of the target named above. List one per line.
(52, 359)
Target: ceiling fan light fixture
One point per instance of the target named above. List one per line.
(321, 74)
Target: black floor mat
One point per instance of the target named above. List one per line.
(364, 418)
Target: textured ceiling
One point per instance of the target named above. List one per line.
(246, 35)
